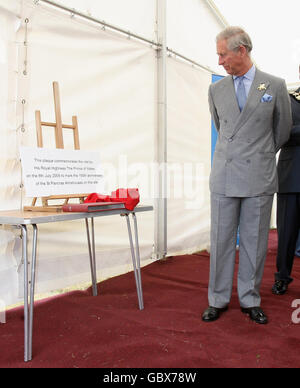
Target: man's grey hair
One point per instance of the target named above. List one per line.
(235, 37)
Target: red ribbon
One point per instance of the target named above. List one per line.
(130, 197)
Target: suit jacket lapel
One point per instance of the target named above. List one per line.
(228, 95)
(257, 90)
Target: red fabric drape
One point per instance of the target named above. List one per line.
(130, 197)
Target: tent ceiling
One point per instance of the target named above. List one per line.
(273, 27)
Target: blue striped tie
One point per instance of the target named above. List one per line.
(241, 93)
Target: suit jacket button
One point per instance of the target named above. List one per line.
(248, 161)
(230, 140)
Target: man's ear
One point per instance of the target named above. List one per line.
(242, 51)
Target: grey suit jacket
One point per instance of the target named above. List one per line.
(244, 163)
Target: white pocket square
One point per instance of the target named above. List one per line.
(266, 98)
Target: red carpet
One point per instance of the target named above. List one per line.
(77, 330)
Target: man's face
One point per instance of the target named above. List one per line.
(232, 61)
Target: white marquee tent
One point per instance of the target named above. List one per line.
(136, 74)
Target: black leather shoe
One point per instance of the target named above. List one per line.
(212, 313)
(256, 314)
(279, 287)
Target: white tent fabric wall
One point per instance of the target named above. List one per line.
(191, 31)
(109, 82)
(189, 156)
(136, 16)
(10, 186)
(10, 179)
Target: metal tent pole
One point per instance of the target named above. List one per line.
(160, 208)
(155, 45)
(221, 19)
(112, 27)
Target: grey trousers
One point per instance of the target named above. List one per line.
(252, 217)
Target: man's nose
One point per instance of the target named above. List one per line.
(221, 61)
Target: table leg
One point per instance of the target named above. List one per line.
(137, 248)
(26, 319)
(92, 254)
(136, 263)
(32, 284)
(28, 307)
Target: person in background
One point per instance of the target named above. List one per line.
(297, 253)
(288, 202)
(252, 114)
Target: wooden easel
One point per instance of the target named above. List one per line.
(58, 126)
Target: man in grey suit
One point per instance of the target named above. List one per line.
(252, 114)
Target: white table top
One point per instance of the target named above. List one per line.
(20, 217)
